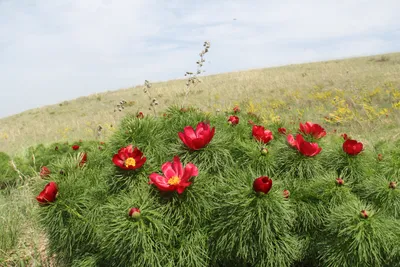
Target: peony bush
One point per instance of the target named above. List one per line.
(191, 189)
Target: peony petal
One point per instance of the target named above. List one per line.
(136, 154)
(168, 170)
(299, 140)
(189, 132)
(198, 143)
(140, 162)
(186, 140)
(189, 171)
(211, 135)
(129, 150)
(292, 142)
(118, 161)
(177, 166)
(181, 187)
(202, 128)
(122, 153)
(159, 181)
(309, 149)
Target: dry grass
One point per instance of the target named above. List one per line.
(261, 90)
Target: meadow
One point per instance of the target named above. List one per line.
(358, 96)
(358, 92)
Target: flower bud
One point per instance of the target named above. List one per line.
(393, 185)
(264, 151)
(140, 115)
(262, 184)
(134, 213)
(44, 172)
(380, 157)
(233, 120)
(339, 181)
(282, 130)
(286, 193)
(364, 214)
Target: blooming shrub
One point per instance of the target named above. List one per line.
(188, 189)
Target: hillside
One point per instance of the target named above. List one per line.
(356, 91)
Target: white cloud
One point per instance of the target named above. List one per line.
(55, 50)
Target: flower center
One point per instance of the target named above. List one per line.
(130, 162)
(174, 180)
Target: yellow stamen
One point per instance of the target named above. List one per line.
(130, 162)
(174, 180)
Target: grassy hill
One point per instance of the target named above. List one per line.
(358, 92)
(359, 96)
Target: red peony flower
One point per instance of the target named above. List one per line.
(286, 193)
(75, 147)
(129, 158)
(282, 130)
(199, 138)
(83, 159)
(176, 178)
(352, 147)
(380, 157)
(262, 184)
(134, 213)
(233, 120)
(140, 115)
(44, 172)
(312, 129)
(261, 134)
(306, 148)
(236, 109)
(48, 194)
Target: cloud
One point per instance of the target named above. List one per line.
(56, 50)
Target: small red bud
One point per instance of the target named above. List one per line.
(380, 157)
(286, 193)
(364, 214)
(393, 185)
(282, 130)
(262, 184)
(44, 172)
(140, 115)
(134, 213)
(339, 181)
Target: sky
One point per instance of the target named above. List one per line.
(51, 51)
